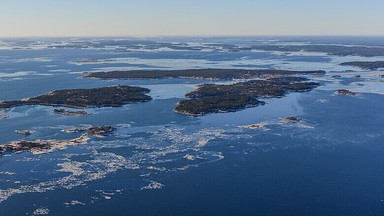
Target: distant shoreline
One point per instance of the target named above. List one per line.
(208, 73)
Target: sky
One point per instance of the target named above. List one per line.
(55, 18)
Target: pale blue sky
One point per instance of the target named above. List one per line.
(190, 17)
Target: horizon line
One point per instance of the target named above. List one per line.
(191, 36)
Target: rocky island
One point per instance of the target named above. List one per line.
(25, 132)
(212, 98)
(100, 131)
(291, 119)
(69, 113)
(112, 96)
(345, 92)
(224, 74)
(40, 146)
(374, 65)
(261, 125)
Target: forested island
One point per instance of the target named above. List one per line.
(224, 74)
(212, 98)
(374, 65)
(112, 96)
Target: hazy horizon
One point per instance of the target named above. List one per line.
(169, 18)
(192, 36)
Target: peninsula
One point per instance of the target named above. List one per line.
(112, 96)
(219, 74)
(212, 98)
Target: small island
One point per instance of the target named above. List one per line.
(219, 74)
(112, 96)
(261, 125)
(345, 92)
(40, 146)
(212, 98)
(25, 132)
(291, 119)
(100, 131)
(69, 113)
(374, 65)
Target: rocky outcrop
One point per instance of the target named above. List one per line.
(25, 132)
(345, 92)
(291, 119)
(3, 116)
(69, 113)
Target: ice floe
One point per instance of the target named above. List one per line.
(41, 211)
(153, 186)
(74, 203)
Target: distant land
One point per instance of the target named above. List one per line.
(112, 96)
(365, 64)
(211, 98)
(225, 74)
(337, 50)
(361, 48)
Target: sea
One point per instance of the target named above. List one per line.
(158, 162)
